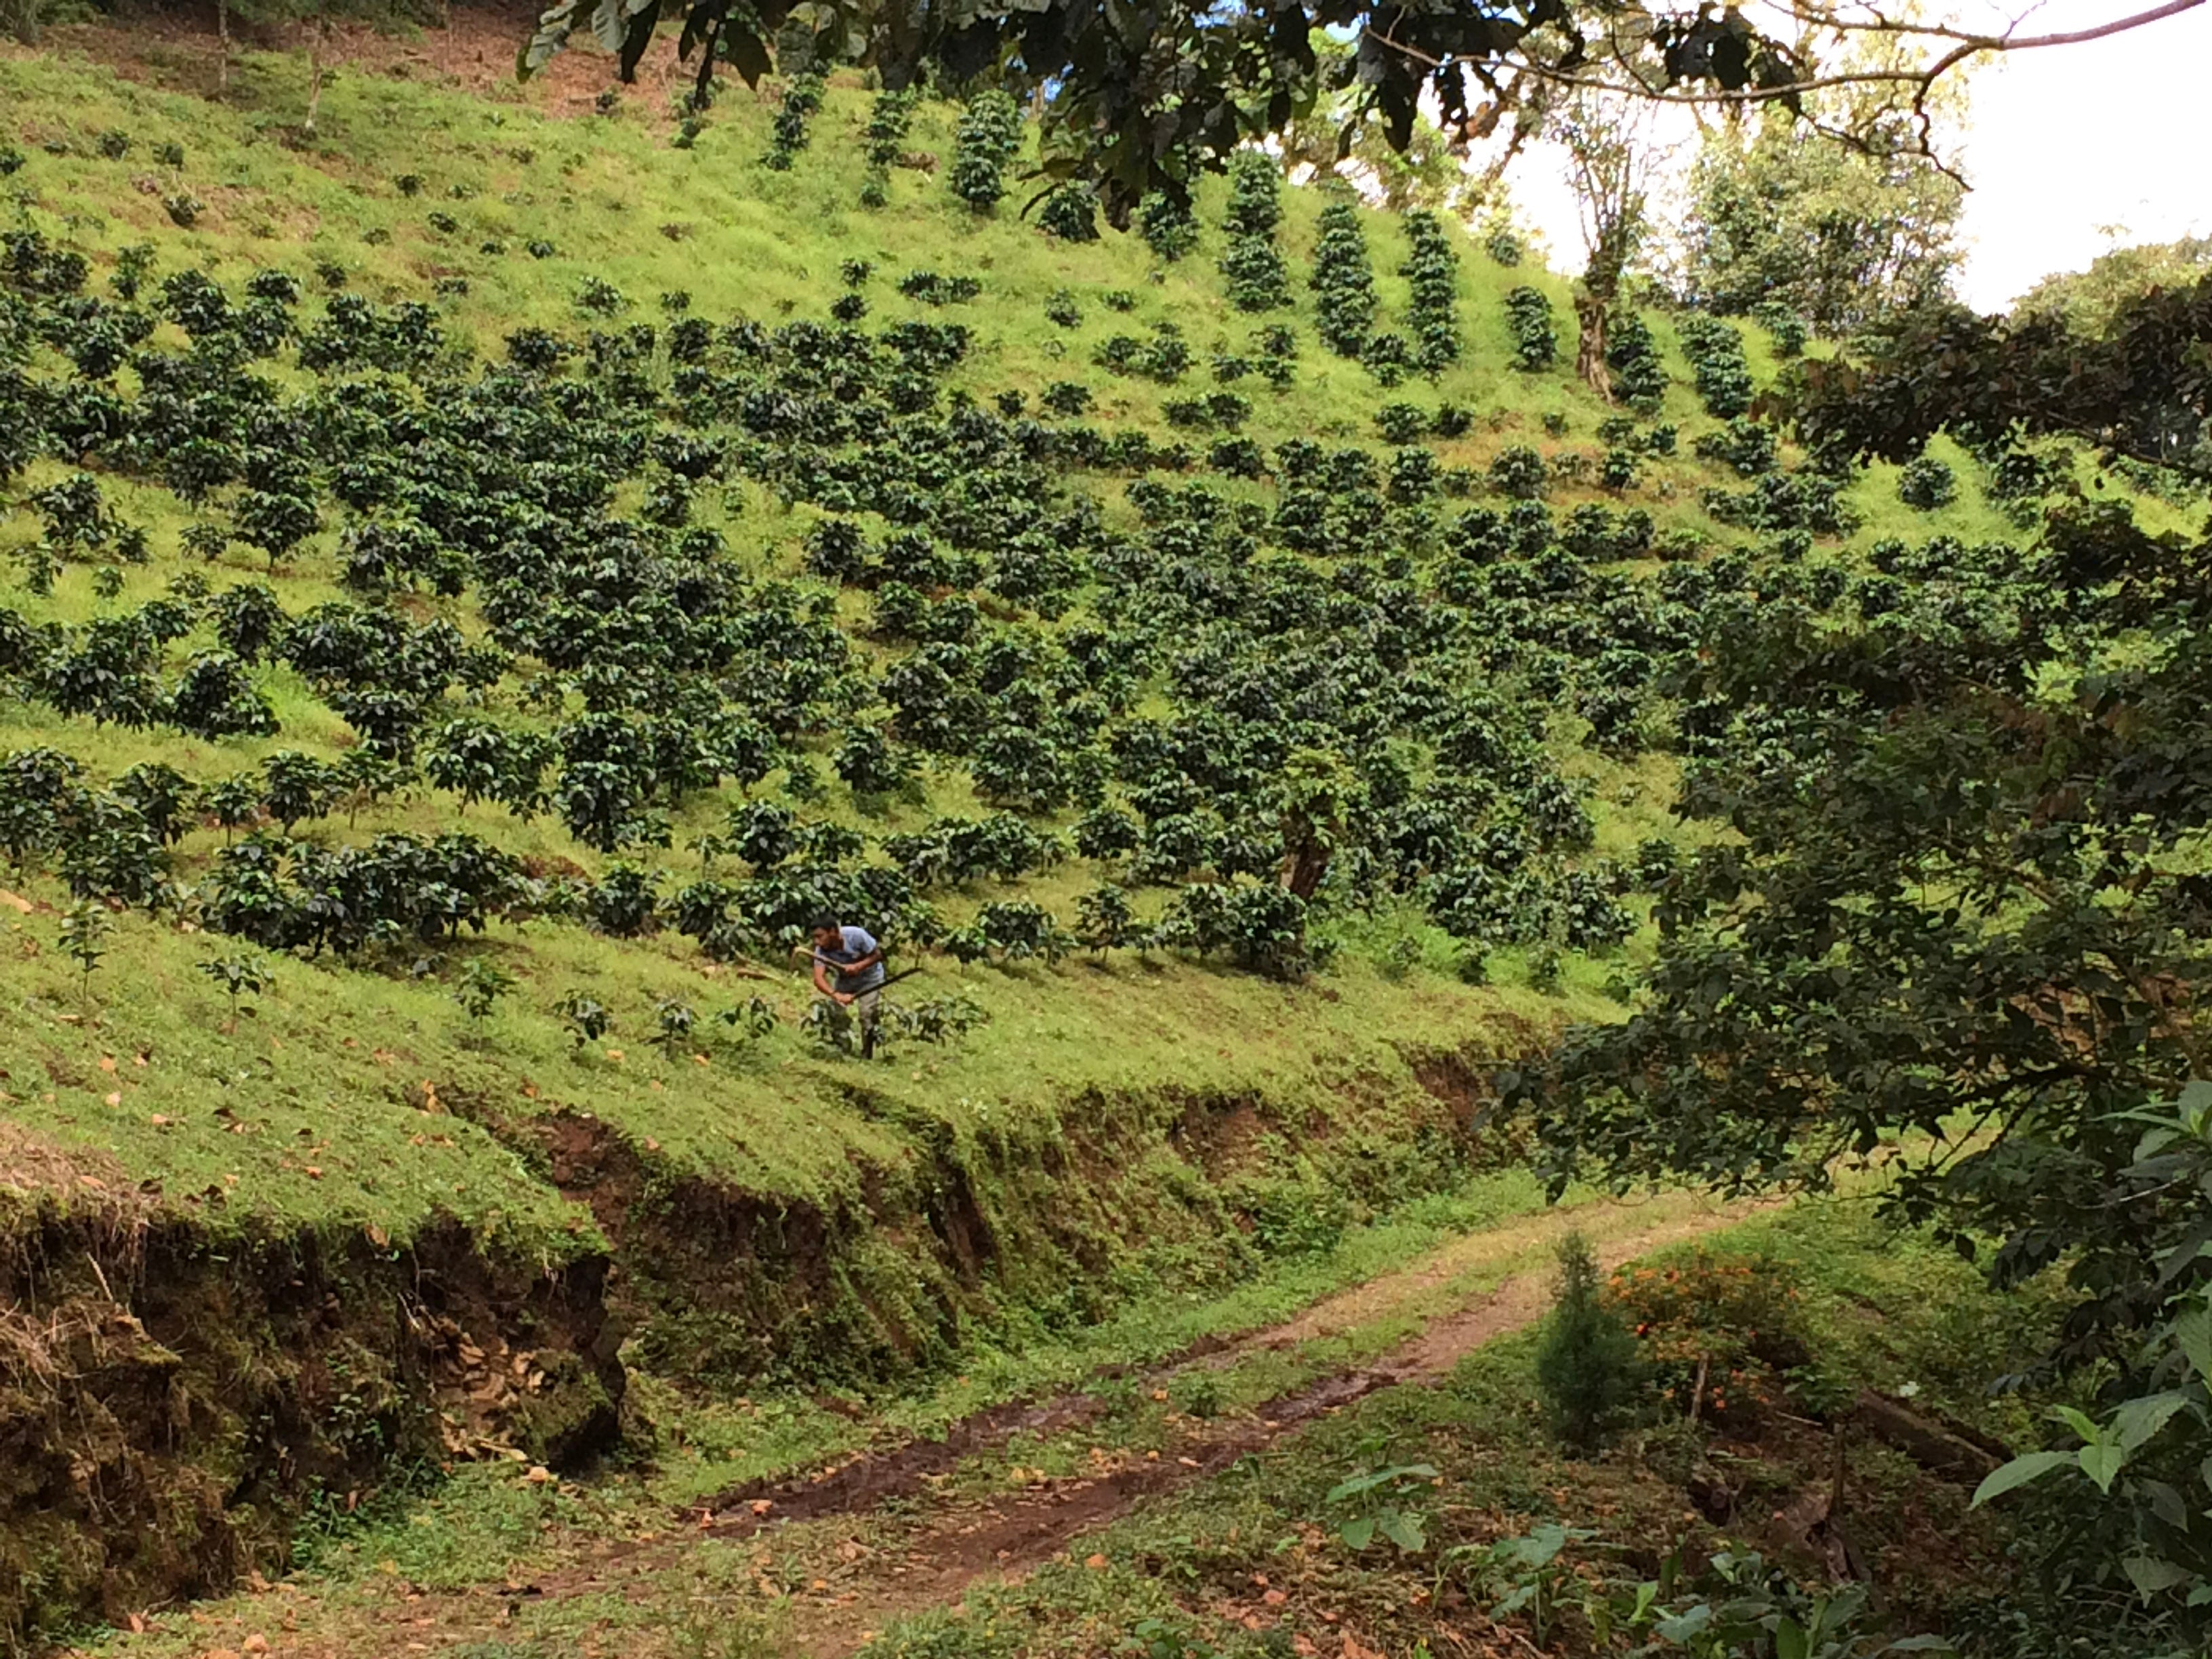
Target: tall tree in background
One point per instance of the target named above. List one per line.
(2088, 301)
(1610, 157)
(1838, 235)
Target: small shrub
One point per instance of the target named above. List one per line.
(587, 1021)
(1535, 336)
(1729, 1323)
(1715, 353)
(478, 986)
(599, 297)
(1519, 472)
(1587, 1364)
(1167, 226)
(1783, 325)
(988, 134)
(1927, 484)
(1071, 213)
(1631, 353)
(1066, 397)
(787, 133)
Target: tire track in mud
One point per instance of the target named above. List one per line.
(1005, 1540)
(913, 1544)
(1618, 1232)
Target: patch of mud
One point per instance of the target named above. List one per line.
(1009, 1539)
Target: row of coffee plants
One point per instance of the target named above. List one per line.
(1161, 694)
(1258, 280)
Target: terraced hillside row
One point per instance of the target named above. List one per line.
(480, 582)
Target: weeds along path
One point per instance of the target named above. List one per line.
(1001, 1541)
(832, 1556)
(1427, 1314)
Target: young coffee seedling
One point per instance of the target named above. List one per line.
(676, 1018)
(1376, 1500)
(753, 1019)
(479, 985)
(85, 928)
(240, 973)
(587, 1021)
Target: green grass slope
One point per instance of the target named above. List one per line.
(755, 1206)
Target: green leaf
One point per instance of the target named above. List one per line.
(1684, 1627)
(1513, 1604)
(2102, 1463)
(2079, 1421)
(1358, 1533)
(746, 52)
(1536, 1549)
(2196, 1104)
(2192, 1331)
(1403, 1530)
(2151, 1574)
(2029, 1466)
(1789, 1640)
(2137, 1420)
(1373, 1477)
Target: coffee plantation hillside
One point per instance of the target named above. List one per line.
(479, 579)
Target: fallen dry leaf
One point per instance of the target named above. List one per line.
(1095, 1562)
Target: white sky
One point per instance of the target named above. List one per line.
(2061, 144)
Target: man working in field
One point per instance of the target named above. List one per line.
(848, 970)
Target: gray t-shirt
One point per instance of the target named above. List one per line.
(853, 943)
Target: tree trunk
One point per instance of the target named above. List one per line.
(1589, 351)
(221, 46)
(1929, 1444)
(314, 76)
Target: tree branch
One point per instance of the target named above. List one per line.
(1923, 79)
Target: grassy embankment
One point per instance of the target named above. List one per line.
(1116, 1138)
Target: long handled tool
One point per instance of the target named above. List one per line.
(888, 979)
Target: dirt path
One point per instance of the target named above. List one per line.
(889, 1533)
(1005, 1540)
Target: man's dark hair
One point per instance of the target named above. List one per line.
(824, 923)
